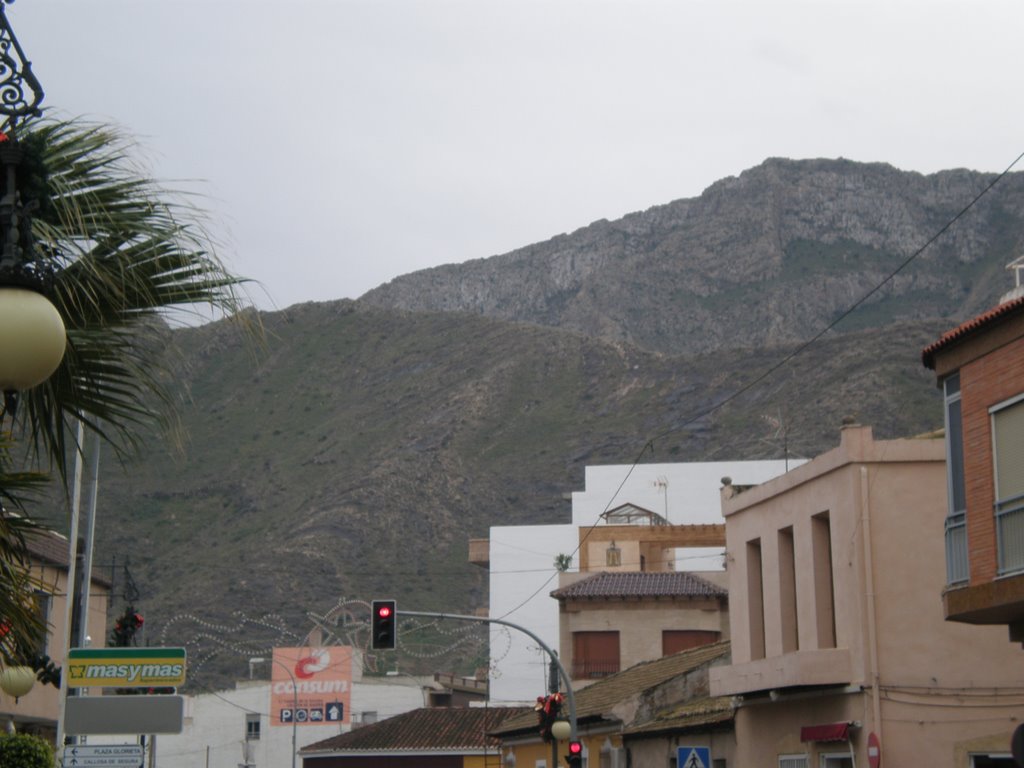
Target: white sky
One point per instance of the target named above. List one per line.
(342, 143)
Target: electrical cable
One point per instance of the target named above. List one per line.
(785, 360)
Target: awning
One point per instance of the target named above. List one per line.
(827, 732)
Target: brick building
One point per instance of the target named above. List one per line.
(980, 369)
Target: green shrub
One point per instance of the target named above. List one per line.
(21, 750)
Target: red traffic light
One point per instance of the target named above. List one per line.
(383, 631)
(575, 748)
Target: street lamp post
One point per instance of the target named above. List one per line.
(295, 695)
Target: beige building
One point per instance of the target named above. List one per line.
(840, 651)
(613, 620)
(37, 711)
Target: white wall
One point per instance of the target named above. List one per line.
(522, 573)
(216, 722)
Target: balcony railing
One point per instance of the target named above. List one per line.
(956, 549)
(1010, 534)
(589, 670)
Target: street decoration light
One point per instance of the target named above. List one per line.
(32, 334)
(17, 681)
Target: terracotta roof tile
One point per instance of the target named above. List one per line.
(425, 730)
(597, 700)
(701, 714)
(610, 584)
(970, 326)
(52, 548)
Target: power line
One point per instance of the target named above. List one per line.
(784, 361)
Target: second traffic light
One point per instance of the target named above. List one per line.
(575, 757)
(382, 625)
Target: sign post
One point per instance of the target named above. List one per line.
(103, 756)
(125, 667)
(693, 757)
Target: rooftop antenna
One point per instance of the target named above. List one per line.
(1017, 266)
(661, 483)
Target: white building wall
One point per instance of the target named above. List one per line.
(522, 573)
(215, 724)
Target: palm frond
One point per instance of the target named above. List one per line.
(129, 254)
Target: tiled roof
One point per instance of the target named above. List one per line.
(702, 714)
(598, 699)
(431, 729)
(52, 548)
(611, 584)
(965, 329)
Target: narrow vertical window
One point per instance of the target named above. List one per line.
(755, 598)
(787, 592)
(824, 585)
(956, 528)
(252, 726)
(1008, 461)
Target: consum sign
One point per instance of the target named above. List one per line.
(125, 667)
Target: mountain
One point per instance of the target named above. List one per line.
(764, 258)
(354, 453)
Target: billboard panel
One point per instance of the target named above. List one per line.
(311, 686)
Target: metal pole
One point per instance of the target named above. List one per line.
(295, 697)
(554, 656)
(70, 590)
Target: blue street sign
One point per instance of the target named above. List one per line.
(693, 757)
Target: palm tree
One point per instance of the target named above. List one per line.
(127, 255)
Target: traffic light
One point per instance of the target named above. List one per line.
(575, 757)
(382, 625)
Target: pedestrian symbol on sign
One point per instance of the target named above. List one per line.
(693, 757)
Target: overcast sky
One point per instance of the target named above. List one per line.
(342, 143)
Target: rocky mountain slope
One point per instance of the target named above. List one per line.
(357, 451)
(762, 258)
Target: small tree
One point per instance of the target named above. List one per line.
(563, 562)
(22, 750)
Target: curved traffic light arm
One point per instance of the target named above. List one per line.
(569, 697)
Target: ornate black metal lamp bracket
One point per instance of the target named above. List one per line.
(20, 91)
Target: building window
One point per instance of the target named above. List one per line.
(252, 727)
(676, 640)
(824, 586)
(956, 528)
(1007, 459)
(594, 654)
(613, 556)
(792, 761)
(755, 599)
(992, 761)
(837, 761)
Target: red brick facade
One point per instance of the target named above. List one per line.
(988, 353)
(987, 381)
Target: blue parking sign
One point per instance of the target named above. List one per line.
(693, 757)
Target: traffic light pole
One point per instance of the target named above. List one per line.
(569, 697)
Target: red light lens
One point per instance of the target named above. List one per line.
(575, 748)
(384, 611)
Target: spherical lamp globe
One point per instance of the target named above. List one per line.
(561, 729)
(17, 681)
(32, 338)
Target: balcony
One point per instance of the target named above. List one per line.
(831, 666)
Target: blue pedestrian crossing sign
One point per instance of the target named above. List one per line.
(693, 757)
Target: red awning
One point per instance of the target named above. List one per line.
(827, 732)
